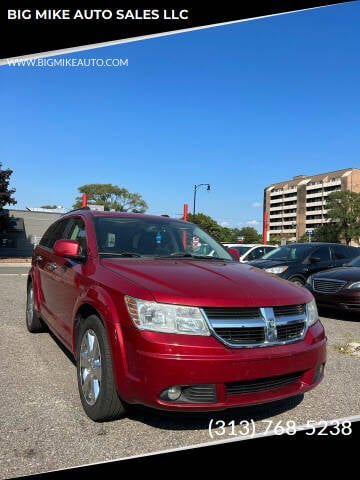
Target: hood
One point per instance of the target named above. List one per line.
(270, 263)
(203, 283)
(348, 274)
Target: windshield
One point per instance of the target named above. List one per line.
(142, 237)
(288, 252)
(355, 262)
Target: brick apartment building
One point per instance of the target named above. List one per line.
(295, 206)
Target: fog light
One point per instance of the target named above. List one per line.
(318, 373)
(174, 393)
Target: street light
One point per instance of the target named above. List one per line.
(195, 189)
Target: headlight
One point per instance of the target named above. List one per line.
(277, 270)
(312, 312)
(354, 285)
(166, 318)
(309, 280)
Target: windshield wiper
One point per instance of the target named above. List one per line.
(190, 255)
(120, 254)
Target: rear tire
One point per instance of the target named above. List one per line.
(33, 321)
(98, 393)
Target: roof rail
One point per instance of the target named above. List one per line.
(77, 209)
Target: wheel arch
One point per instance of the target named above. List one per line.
(298, 276)
(83, 312)
(96, 377)
(31, 280)
(108, 316)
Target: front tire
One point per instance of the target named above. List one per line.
(297, 281)
(98, 393)
(33, 322)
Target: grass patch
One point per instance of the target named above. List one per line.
(350, 348)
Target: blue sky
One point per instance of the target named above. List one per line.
(239, 106)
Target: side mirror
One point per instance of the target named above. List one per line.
(234, 253)
(314, 259)
(68, 249)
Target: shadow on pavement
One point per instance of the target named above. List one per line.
(339, 315)
(200, 421)
(167, 420)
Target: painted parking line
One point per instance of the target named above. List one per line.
(13, 274)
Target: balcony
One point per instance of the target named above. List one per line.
(314, 195)
(315, 204)
(333, 183)
(331, 191)
(314, 187)
(313, 221)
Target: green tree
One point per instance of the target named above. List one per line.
(111, 197)
(275, 239)
(208, 224)
(343, 209)
(6, 193)
(6, 196)
(304, 238)
(329, 232)
(250, 234)
(225, 234)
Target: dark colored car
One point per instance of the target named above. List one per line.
(339, 288)
(149, 320)
(296, 261)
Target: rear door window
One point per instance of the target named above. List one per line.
(343, 252)
(323, 253)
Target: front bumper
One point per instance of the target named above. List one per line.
(346, 300)
(211, 375)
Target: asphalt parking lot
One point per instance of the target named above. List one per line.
(44, 428)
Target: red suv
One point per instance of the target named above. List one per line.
(156, 312)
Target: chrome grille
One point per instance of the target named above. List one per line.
(327, 285)
(285, 332)
(242, 335)
(253, 327)
(226, 313)
(289, 310)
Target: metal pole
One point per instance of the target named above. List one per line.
(195, 188)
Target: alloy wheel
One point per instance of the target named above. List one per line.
(90, 367)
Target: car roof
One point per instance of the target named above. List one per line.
(314, 244)
(86, 211)
(245, 244)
